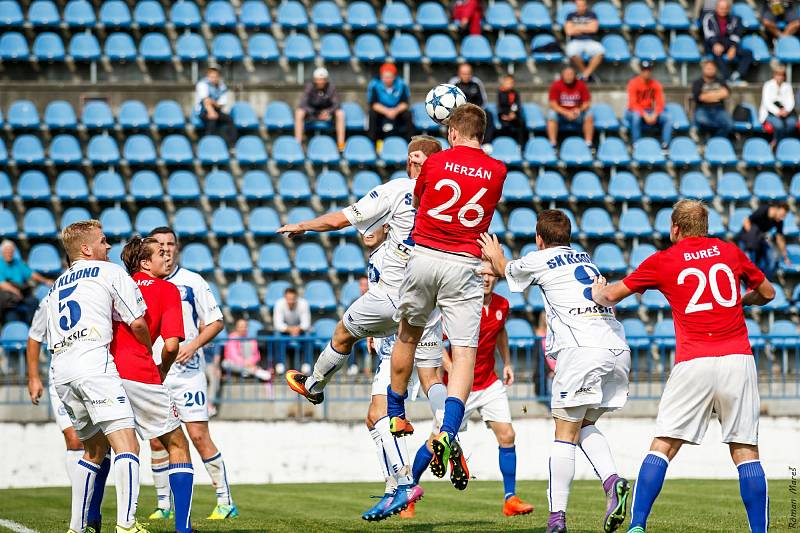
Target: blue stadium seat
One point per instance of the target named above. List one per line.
(13, 46)
(663, 221)
(227, 47)
(405, 48)
(535, 300)
(719, 152)
(359, 150)
(334, 47)
(97, 115)
(680, 122)
(517, 187)
(263, 221)
(189, 222)
(296, 215)
(616, 49)
(234, 258)
(596, 222)
(522, 222)
(575, 153)
(182, 185)
(394, 151)
(146, 185)
(744, 11)
(325, 15)
(59, 115)
(168, 115)
(275, 292)
(737, 219)
(783, 334)
(607, 16)
(612, 152)
(149, 14)
(293, 186)
(550, 186)
(768, 186)
(3, 153)
(256, 185)
(474, 48)
(102, 150)
(538, 152)
(361, 16)
(211, 150)
(331, 185)
(787, 49)
(683, 151)
(27, 150)
(273, 259)
(732, 187)
(751, 124)
(244, 116)
(397, 16)
(647, 152)
(540, 41)
(196, 256)
(520, 333)
(604, 118)
(227, 222)
(507, 150)
(364, 181)
(623, 186)
(219, 15)
(639, 17)
(322, 150)
(348, 259)
(242, 296)
(650, 48)
(185, 15)
(176, 150)
(509, 48)
(278, 116)
(10, 15)
(788, 152)
(71, 185)
(45, 259)
(755, 43)
(793, 251)
(755, 334)
(349, 293)
(148, 219)
(639, 253)
(191, 47)
(65, 150)
(254, 14)
(586, 187)
(155, 47)
(33, 186)
(422, 121)
(43, 14)
(14, 335)
(219, 186)
(139, 150)
(299, 48)
(715, 226)
(695, 185)
(132, 115)
(250, 151)
(635, 223)
(115, 14)
(354, 117)
(672, 16)
(565, 9)
(116, 223)
(291, 15)
(431, 16)
(497, 226)
(636, 333)
(500, 16)
(756, 152)
(608, 258)
(683, 49)
(794, 187)
(79, 14)
(439, 48)
(262, 47)
(22, 115)
(780, 303)
(535, 16)
(310, 258)
(320, 297)
(108, 186)
(515, 299)
(369, 48)
(654, 300)
(287, 151)
(8, 223)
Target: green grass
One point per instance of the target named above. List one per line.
(684, 506)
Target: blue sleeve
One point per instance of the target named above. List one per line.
(371, 97)
(26, 270)
(406, 96)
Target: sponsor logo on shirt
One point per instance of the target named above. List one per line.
(583, 390)
(356, 213)
(85, 334)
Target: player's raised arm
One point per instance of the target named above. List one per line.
(327, 222)
(493, 252)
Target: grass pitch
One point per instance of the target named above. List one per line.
(685, 506)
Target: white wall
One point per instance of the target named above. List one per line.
(278, 452)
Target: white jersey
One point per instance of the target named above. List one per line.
(81, 308)
(199, 307)
(38, 329)
(375, 265)
(574, 320)
(390, 203)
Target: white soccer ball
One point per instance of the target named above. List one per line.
(441, 101)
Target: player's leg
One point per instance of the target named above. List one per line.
(651, 479)
(377, 409)
(752, 485)
(562, 464)
(94, 517)
(74, 451)
(408, 336)
(181, 477)
(215, 466)
(436, 391)
(84, 483)
(126, 474)
(159, 464)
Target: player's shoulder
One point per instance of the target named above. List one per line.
(185, 276)
(397, 185)
(500, 302)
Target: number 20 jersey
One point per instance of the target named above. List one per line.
(700, 277)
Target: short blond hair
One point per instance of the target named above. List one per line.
(75, 235)
(424, 143)
(691, 217)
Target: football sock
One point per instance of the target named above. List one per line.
(382, 461)
(215, 467)
(648, 485)
(396, 451)
(99, 490)
(126, 480)
(421, 462)
(395, 403)
(453, 415)
(562, 470)
(508, 467)
(437, 395)
(71, 462)
(595, 447)
(159, 462)
(181, 481)
(82, 489)
(753, 488)
(328, 363)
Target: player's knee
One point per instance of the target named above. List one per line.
(506, 436)
(343, 340)
(72, 441)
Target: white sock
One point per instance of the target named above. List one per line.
(382, 461)
(82, 489)
(328, 363)
(396, 451)
(159, 463)
(215, 467)
(71, 462)
(126, 481)
(562, 470)
(595, 447)
(437, 394)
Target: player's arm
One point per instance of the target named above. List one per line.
(761, 295)
(206, 335)
(780, 242)
(493, 251)
(169, 353)
(35, 387)
(447, 361)
(142, 333)
(327, 222)
(505, 355)
(609, 295)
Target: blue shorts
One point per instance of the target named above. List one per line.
(563, 123)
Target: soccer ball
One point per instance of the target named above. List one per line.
(441, 101)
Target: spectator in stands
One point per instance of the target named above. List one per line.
(777, 106)
(780, 13)
(242, 355)
(581, 29)
(320, 102)
(475, 91)
(17, 301)
(754, 236)
(509, 111)
(388, 99)
(468, 15)
(722, 32)
(210, 102)
(291, 316)
(569, 107)
(709, 94)
(646, 105)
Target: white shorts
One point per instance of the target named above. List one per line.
(491, 403)
(726, 385)
(589, 379)
(584, 47)
(451, 282)
(373, 315)
(383, 378)
(153, 408)
(96, 403)
(189, 391)
(59, 412)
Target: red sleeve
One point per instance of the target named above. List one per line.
(171, 313)
(751, 275)
(506, 307)
(553, 94)
(645, 277)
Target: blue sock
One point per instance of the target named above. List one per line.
(508, 467)
(453, 415)
(753, 488)
(181, 483)
(648, 485)
(421, 462)
(395, 403)
(99, 488)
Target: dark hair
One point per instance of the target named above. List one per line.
(163, 230)
(780, 203)
(469, 120)
(290, 290)
(553, 227)
(137, 250)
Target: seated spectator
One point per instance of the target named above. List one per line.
(388, 100)
(475, 91)
(778, 13)
(646, 105)
(320, 101)
(709, 94)
(210, 102)
(468, 15)
(753, 238)
(569, 107)
(241, 354)
(291, 316)
(581, 30)
(509, 111)
(17, 301)
(722, 33)
(776, 112)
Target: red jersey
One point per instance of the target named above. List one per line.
(569, 96)
(458, 190)
(700, 277)
(164, 318)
